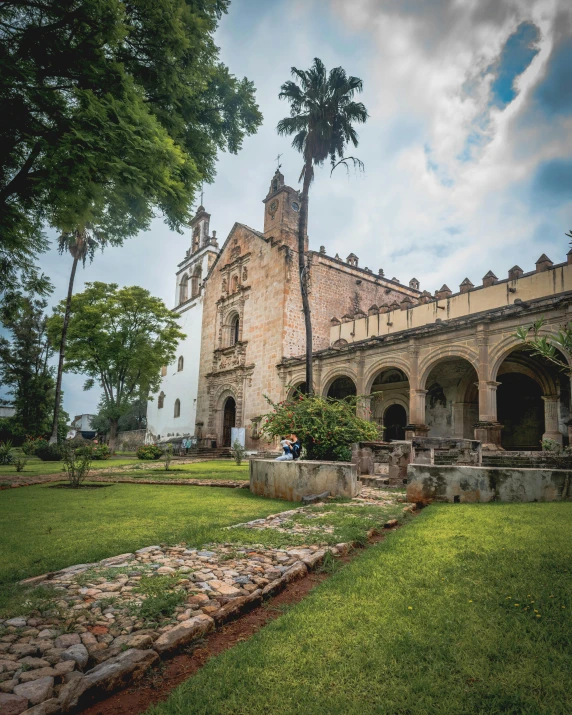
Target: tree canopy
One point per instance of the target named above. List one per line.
(112, 112)
(119, 338)
(25, 368)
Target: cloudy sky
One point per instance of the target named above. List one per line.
(467, 151)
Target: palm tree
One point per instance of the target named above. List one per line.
(81, 244)
(322, 112)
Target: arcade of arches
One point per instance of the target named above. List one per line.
(527, 402)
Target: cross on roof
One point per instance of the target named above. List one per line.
(278, 162)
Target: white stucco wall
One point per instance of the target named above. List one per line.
(182, 385)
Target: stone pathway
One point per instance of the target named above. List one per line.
(103, 624)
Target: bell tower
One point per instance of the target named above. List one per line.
(200, 229)
(282, 212)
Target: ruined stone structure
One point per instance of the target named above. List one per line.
(443, 365)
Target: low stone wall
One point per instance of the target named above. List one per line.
(297, 479)
(458, 483)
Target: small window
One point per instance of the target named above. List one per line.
(234, 330)
(177, 412)
(184, 289)
(180, 364)
(196, 282)
(164, 371)
(161, 400)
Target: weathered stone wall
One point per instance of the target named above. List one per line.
(426, 483)
(294, 480)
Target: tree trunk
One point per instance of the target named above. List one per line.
(302, 265)
(113, 425)
(54, 437)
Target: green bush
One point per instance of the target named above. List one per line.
(48, 452)
(325, 427)
(31, 443)
(102, 451)
(6, 454)
(20, 463)
(149, 451)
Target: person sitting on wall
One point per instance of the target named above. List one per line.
(295, 446)
(286, 455)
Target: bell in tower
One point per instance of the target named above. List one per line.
(200, 229)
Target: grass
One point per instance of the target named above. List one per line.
(35, 466)
(467, 610)
(44, 529)
(140, 469)
(213, 469)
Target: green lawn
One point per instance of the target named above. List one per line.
(35, 466)
(467, 610)
(213, 469)
(43, 529)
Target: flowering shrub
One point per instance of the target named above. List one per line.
(102, 451)
(32, 443)
(149, 451)
(325, 427)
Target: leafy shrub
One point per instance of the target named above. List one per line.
(77, 462)
(238, 452)
(149, 451)
(168, 455)
(102, 451)
(31, 444)
(6, 453)
(160, 599)
(48, 452)
(20, 463)
(326, 427)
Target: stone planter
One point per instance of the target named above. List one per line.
(297, 479)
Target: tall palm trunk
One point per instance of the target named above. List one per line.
(77, 253)
(303, 268)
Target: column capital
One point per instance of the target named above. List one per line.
(550, 398)
(417, 391)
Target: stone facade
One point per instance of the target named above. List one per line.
(252, 316)
(446, 364)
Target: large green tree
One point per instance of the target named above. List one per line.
(112, 111)
(119, 338)
(322, 114)
(24, 366)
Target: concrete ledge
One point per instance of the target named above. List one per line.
(457, 483)
(297, 479)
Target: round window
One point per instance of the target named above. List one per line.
(295, 205)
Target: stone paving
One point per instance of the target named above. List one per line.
(117, 616)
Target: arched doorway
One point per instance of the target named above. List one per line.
(520, 410)
(390, 388)
(229, 421)
(394, 421)
(452, 399)
(300, 389)
(341, 388)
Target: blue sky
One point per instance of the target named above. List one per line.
(468, 149)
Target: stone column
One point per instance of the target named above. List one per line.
(459, 410)
(551, 419)
(487, 429)
(416, 426)
(317, 377)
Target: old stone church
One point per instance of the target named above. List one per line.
(445, 364)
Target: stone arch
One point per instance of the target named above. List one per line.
(298, 385)
(333, 374)
(386, 363)
(443, 354)
(506, 347)
(219, 399)
(341, 386)
(532, 398)
(451, 396)
(395, 418)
